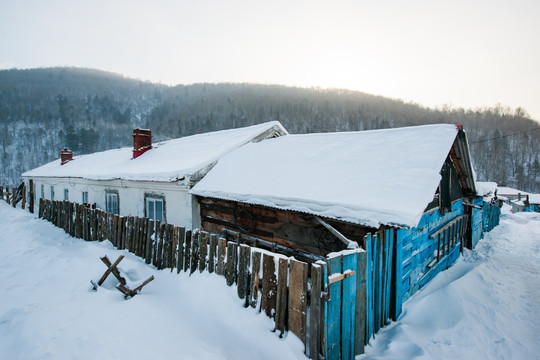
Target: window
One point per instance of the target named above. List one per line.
(85, 197)
(154, 208)
(42, 191)
(52, 193)
(66, 194)
(112, 202)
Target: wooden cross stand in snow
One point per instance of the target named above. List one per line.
(112, 268)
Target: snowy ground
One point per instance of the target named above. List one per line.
(47, 310)
(487, 306)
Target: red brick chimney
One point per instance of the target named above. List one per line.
(65, 156)
(142, 142)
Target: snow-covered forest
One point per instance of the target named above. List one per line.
(45, 110)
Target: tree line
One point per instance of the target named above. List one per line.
(44, 110)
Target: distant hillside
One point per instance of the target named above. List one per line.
(44, 110)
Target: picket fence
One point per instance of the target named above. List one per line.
(294, 293)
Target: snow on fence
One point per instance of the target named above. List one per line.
(287, 290)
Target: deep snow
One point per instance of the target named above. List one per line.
(47, 310)
(485, 307)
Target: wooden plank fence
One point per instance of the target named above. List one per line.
(304, 299)
(380, 279)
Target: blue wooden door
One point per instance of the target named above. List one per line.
(340, 307)
(380, 283)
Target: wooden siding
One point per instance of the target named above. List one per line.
(291, 229)
(421, 256)
(476, 221)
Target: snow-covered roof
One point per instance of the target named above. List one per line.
(534, 199)
(505, 190)
(367, 177)
(485, 188)
(167, 161)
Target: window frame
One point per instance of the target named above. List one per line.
(153, 197)
(107, 205)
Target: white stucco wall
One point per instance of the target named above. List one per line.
(179, 209)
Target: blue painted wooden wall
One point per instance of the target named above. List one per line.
(402, 261)
(491, 214)
(419, 251)
(477, 222)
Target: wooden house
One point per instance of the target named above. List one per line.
(310, 195)
(148, 180)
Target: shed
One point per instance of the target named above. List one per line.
(519, 200)
(148, 180)
(310, 195)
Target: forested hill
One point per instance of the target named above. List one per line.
(44, 110)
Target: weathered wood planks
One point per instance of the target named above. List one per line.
(275, 284)
(269, 285)
(298, 299)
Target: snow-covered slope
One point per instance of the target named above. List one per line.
(47, 310)
(487, 306)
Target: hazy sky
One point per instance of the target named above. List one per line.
(467, 53)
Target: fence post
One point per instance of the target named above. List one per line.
(269, 288)
(187, 251)
(7, 195)
(221, 251)
(297, 322)
(232, 259)
(203, 250)
(243, 272)
(31, 203)
(281, 298)
(255, 277)
(149, 232)
(361, 302)
(212, 253)
(180, 252)
(194, 251)
(23, 204)
(316, 311)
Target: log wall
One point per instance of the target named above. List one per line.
(291, 229)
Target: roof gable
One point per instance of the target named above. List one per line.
(168, 160)
(367, 177)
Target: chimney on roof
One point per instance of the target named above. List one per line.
(142, 142)
(65, 156)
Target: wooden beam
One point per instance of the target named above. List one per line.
(350, 244)
(335, 278)
(441, 230)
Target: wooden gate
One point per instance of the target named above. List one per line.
(380, 278)
(345, 306)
